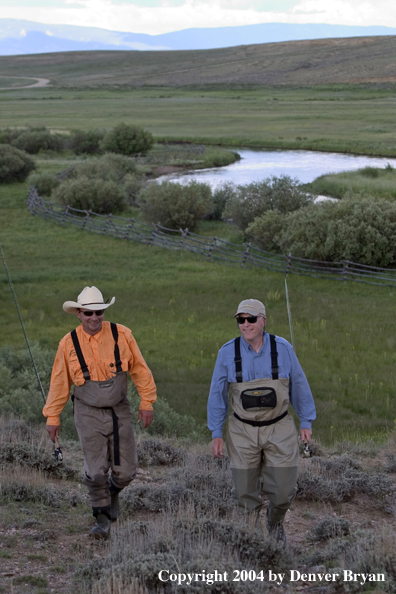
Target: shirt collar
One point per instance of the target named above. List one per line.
(247, 346)
(88, 337)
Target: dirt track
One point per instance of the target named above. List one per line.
(41, 82)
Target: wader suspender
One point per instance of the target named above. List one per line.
(275, 376)
(84, 369)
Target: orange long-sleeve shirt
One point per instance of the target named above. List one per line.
(98, 351)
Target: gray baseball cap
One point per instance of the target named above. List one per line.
(254, 307)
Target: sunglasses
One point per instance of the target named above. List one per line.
(98, 312)
(250, 319)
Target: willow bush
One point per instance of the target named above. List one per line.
(282, 194)
(176, 206)
(359, 229)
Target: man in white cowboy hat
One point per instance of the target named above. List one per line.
(96, 357)
(261, 374)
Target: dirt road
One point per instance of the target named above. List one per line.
(40, 82)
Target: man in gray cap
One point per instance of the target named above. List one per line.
(261, 374)
(96, 358)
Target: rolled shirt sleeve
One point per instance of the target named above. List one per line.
(141, 376)
(59, 391)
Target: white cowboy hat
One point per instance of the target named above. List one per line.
(90, 298)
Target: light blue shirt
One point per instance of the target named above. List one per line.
(258, 366)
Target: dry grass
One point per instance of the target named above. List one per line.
(178, 516)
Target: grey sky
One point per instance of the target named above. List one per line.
(161, 16)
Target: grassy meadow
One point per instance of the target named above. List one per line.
(178, 513)
(342, 118)
(368, 180)
(180, 309)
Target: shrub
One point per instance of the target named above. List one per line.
(154, 451)
(330, 527)
(44, 183)
(110, 167)
(168, 422)
(267, 230)
(15, 165)
(356, 229)
(97, 195)
(174, 205)
(86, 143)
(34, 140)
(127, 140)
(282, 194)
(221, 196)
(339, 480)
(133, 185)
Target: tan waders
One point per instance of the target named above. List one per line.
(262, 441)
(103, 419)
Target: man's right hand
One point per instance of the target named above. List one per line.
(217, 447)
(53, 431)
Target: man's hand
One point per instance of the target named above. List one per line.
(53, 432)
(146, 416)
(305, 435)
(217, 447)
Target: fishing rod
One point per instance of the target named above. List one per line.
(58, 452)
(289, 314)
(307, 452)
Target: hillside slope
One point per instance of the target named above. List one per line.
(313, 62)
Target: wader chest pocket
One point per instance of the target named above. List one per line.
(258, 398)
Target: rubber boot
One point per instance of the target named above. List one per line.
(103, 523)
(115, 504)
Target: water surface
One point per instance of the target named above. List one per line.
(256, 165)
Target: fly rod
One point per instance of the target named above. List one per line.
(289, 314)
(58, 453)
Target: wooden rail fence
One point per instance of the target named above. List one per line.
(212, 249)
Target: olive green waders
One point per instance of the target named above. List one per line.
(262, 441)
(103, 419)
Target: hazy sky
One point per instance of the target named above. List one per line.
(161, 16)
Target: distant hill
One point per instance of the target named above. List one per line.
(352, 60)
(19, 37)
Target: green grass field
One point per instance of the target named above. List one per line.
(369, 180)
(343, 118)
(180, 309)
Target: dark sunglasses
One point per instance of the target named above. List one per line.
(250, 319)
(98, 312)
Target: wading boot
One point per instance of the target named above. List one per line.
(103, 523)
(276, 531)
(115, 504)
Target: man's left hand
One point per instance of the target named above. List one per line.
(305, 435)
(146, 416)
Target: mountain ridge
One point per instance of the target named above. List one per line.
(20, 37)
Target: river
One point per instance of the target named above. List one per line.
(255, 165)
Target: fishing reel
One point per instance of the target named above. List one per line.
(57, 451)
(307, 451)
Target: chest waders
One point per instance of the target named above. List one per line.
(262, 440)
(103, 419)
